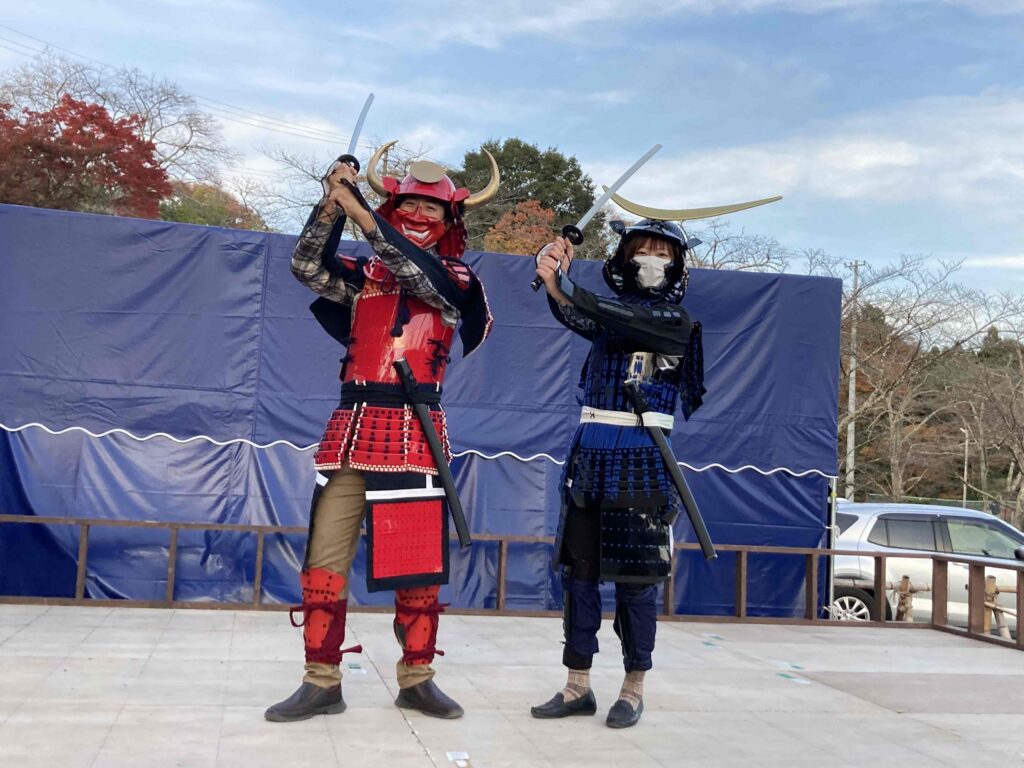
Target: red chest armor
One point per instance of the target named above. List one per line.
(386, 438)
(424, 342)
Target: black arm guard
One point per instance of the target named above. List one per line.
(663, 329)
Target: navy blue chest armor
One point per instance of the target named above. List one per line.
(613, 465)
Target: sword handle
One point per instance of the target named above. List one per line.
(574, 235)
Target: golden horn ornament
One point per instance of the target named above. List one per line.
(372, 178)
(686, 214)
(486, 194)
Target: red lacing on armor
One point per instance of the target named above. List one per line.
(407, 616)
(328, 650)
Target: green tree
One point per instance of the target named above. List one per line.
(550, 178)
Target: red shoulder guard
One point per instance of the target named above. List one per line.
(460, 274)
(348, 262)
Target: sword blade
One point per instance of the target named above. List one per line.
(359, 125)
(599, 203)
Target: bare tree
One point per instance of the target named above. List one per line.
(992, 390)
(738, 251)
(914, 325)
(284, 202)
(189, 142)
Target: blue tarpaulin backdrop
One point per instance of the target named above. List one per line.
(152, 327)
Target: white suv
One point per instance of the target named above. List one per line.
(895, 528)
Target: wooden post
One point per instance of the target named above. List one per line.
(976, 598)
(741, 584)
(880, 588)
(940, 593)
(991, 594)
(905, 604)
(502, 569)
(83, 558)
(811, 588)
(257, 576)
(172, 565)
(1020, 609)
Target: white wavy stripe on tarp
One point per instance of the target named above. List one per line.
(481, 454)
(181, 441)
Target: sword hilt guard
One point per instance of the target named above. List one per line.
(572, 233)
(351, 160)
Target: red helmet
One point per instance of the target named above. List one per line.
(427, 180)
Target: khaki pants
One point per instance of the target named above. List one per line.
(337, 520)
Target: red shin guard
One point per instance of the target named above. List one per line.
(323, 616)
(416, 619)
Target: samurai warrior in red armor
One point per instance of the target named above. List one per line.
(396, 313)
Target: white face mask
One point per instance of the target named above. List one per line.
(652, 271)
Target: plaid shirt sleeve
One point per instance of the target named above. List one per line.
(410, 277)
(308, 264)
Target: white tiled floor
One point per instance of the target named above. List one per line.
(106, 688)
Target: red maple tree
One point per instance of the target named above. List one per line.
(77, 158)
(523, 229)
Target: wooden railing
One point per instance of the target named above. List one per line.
(981, 606)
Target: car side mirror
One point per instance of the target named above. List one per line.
(1019, 553)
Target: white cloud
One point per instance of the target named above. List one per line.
(488, 25)
(962, 151)
(1015, 261)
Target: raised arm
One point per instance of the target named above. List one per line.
(663, 328)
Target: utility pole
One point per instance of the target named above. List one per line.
(967, 442)
(851, 395)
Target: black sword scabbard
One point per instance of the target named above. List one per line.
(444, 472)
(636, 399)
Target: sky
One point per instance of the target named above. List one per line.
(888, 127)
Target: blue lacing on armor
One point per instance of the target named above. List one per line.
(604, 375)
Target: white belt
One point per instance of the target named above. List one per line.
(625, 418)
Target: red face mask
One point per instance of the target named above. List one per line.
(418, 229)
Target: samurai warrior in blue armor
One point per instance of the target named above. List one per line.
(618, 498)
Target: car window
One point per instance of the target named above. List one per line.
(970, 537)
(904, 534)
(878, 534)
(911, 534)
(844, 520)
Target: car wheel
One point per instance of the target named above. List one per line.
(850, 604)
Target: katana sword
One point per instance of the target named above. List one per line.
(639, 403)
(444, 472)
(574, 232)
(350, 157)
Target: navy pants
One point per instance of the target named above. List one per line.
(636, 608)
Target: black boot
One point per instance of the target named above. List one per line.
(559, 707)
(307, 701)
(427, 698)
(622, 714)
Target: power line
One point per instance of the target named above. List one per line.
(242, 116)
